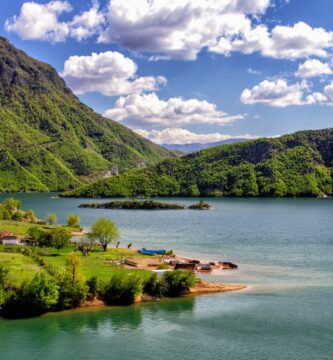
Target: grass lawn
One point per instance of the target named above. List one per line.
(99, 263)
(21, 228)
(20, 267)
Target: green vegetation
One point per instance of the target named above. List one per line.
(146, 205)
(136, 205)
(32, 283)
(49, 140)
(53, 273)
(73, 220)
(104, 231)
(299, 164)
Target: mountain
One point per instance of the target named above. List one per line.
(193, 147)
(49, 140)
(300, 164)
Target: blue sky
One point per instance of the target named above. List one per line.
(180, 71)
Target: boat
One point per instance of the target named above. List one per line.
(145, 251)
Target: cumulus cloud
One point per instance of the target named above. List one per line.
(183, 136)
(40, 21)
(276, 93)
(88, 23)
(177, 28)
(325, 98)
(283, 42)
(149, 111)
(109, 73)
(313, 68)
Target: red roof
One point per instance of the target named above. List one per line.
(4, 234)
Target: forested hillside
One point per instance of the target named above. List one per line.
(49, 140)
(299, 164)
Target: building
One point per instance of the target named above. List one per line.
(9, 239)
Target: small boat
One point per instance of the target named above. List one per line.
(145, 251)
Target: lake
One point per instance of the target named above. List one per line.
(284, 249)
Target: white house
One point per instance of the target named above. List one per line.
(11, 240)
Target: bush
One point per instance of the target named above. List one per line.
(17, 216)
(73, 220)
(3, 276)
(122, 289)
(155, 287)
(178, 282)
(71, 294)
(92, 288)
(34, 298)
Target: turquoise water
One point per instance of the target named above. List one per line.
(284, 248)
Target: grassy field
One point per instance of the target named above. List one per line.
(21, 228)
(20, 267)
(99, 263)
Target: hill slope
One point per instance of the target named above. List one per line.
(49, 140)
(300, 164)
(193, 147)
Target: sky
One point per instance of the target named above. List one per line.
(186, 71)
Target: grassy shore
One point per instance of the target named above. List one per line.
(21, 228)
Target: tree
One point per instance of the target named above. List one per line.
(74, 267)
(105, 231)
(51, 218)
(86, 245)
(72, 290)
(60, 238)
(12, 204)
(73, 220)
(3, 276)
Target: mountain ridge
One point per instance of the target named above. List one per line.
(194, 147)
(299, 164)
(49, 139)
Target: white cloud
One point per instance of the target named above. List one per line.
(313, 68)
(183, 136)
(283, 42)
(109, 73)
(177, 28)
(325, 98)
(276, 93)
(40, 21)
(149, 110)
(88, 23)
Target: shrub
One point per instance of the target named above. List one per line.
(3, 276)
(154, 286)
(71, 294)
(178, 282)
(121, 289)
(17, 216)
(31, 299)
(73, 220)
(92, 288)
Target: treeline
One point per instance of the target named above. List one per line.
(300, 164)
(54, 290)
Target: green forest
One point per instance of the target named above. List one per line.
(51, 141)
(300, 164)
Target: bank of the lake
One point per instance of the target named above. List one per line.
(284, 251)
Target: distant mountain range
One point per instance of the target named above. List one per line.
(49, 140)
(299, 164)
(193, 147)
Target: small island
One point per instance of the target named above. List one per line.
(145, 205)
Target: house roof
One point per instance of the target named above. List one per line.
(4, 234)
